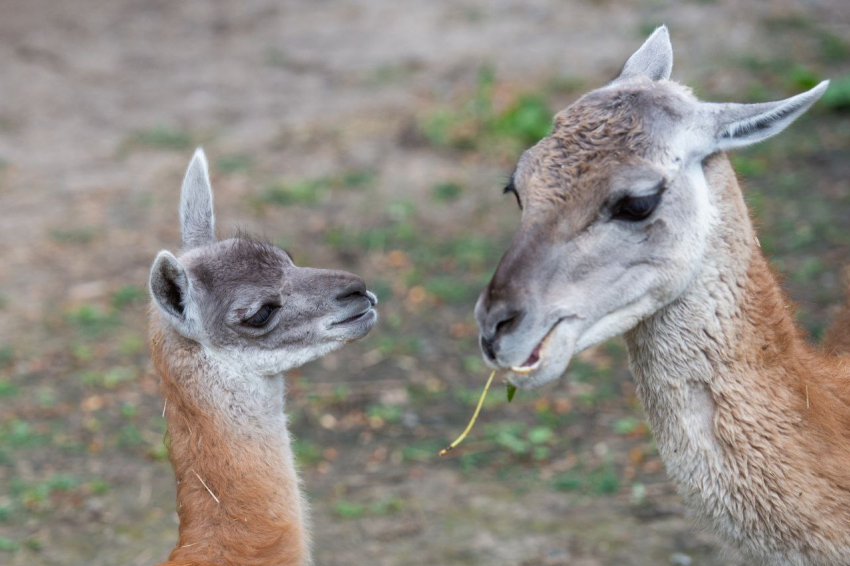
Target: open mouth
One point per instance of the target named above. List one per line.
(533, 361)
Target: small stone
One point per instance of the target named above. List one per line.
(327, 421)
(680, 559)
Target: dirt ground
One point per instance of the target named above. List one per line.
(372, 136)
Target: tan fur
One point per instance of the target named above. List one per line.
(836, 339)
(586, 139)
(257, 520)
(771, 468)
(628, 228)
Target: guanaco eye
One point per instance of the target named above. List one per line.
(635, 209)
(262, 316)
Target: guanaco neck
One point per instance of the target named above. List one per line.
(748, 418)
(238, 494)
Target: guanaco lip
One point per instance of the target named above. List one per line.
(354, 318)
(536, 357)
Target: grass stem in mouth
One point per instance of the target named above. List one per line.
(460, 438)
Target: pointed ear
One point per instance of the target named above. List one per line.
(654, 59)
(737, 125)
(169, 287)
(197, 220)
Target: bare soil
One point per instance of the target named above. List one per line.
(337, 130)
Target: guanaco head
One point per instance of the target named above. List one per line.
(245, 301)
(615, 213)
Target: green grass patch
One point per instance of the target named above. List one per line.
(131, 344)
(381, 239)
(129, 435)
(527, 119)
(472, 252)
(310, 192)
(349, 509)
(304, 192)
(421, 451)
(833, 48)
(810, 269)
(98, 486)
(7, 355)
(339, 394)
(78, 236)
(8, 389)
(470, 396)
(522, 441)
(91, 320)
(354, 510)
(234, 163)
(163, 137)
(129, 410)
(837, 96)
(749, 165)
(451, 289)
(473, 365)
(626, 425)
(387, 413)
(36, 496)
(127, 295)
(307, 453)
(16, 433)
(802, 77)
(477, 124)
(158, 451)
(111, 378)
(446, 191)
(602, 480)
(394, 344)
(8, 545)
(582, 371)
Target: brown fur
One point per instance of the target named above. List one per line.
(256, 521)
(836, 339)
(751, 420)
(777, 343)
(780, 408)
(587, 138)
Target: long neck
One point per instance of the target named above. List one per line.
(749, 419)
(238, 495)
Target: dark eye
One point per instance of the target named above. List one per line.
(635, 209)
(262, 316)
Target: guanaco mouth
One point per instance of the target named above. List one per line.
(354, 318)
(533, 361)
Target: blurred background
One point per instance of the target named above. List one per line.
(373, 136)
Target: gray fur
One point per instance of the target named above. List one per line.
(737, 125)
(214, 288)
(169, 286)
(574, 276)
(197, 219)
(654, 59)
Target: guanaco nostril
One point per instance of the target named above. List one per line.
(353, 290)
(508, 323)
(489, 349)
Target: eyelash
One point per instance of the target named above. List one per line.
(511, 188)
(635, 209)
(262, 316)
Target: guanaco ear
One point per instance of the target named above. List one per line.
(654, 59)
(197, 220)
(169, 287)
(737, 125)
